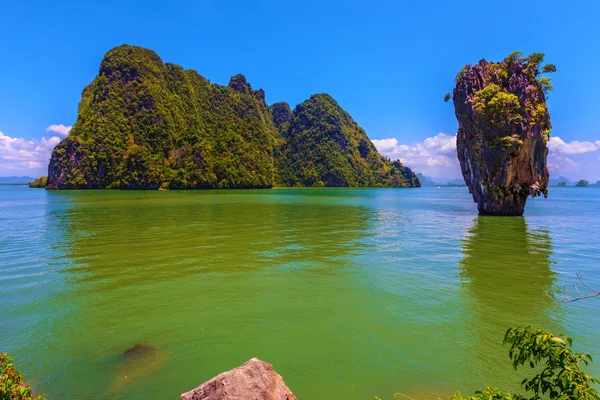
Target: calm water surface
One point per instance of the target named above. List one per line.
(350, 293)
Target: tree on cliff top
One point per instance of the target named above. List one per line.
(531, 63)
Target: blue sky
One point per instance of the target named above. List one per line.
(388, 63)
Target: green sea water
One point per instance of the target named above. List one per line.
(350, 293)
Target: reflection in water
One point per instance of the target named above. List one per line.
(188, 233)
(506, 271)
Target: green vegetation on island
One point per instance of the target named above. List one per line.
(39, 182)
(323, 146)
(145, 124)
(582, 183)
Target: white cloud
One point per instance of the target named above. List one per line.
(561, 165)
(556, 144)
(434, 157)
(59, 129)
(19, 156)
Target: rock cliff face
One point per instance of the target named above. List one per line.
(255, 379)
(145, 124)
(503, 128)
(280, 113)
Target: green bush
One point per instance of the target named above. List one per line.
(560, 376)
(11, 382)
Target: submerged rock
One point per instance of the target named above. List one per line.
(138, 362)
(503, 128)
(254, 380)
(140, 350)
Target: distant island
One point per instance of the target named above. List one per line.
(39, 183)
(561, 181)
(427, 181)
(584, 183)
(145, 124)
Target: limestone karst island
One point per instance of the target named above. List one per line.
(144, 124)
(270, 200)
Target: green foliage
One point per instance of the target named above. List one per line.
(582, 183)
(558, 377)
(498, 73)
(323, 145)
(561, 376)
(515, 56)
(39, 182)
(546, 85)
(462, 72)
(501, 114)
(447, 97)
(505, 142)
(558, 369)
(532, 63)
(488, 393)
(496, 106)
(11, 382)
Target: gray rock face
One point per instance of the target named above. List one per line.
(254, 380)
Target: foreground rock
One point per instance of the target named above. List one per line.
(254, 380)
(503, 128)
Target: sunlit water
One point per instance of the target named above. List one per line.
(350, 293)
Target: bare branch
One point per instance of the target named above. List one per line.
(584, 284)
(570, 297)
